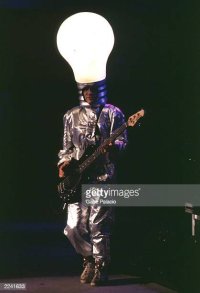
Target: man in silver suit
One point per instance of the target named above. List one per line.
(89, 227)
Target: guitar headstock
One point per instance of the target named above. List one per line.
(135, 117)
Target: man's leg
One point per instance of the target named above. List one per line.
(77, 232)
(100, 223)
(76, 229)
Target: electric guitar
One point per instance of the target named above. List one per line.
(69, 189)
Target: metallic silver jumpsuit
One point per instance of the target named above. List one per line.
(88, 227)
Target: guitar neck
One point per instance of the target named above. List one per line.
(105, 143)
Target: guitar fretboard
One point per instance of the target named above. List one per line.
(105, 143)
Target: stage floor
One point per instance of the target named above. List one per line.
(71, 284)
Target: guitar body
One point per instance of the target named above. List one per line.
(69, 188)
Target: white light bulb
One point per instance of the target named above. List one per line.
(85, 40)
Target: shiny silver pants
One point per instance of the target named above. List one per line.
(89, 228)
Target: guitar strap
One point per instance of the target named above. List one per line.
(97, 131)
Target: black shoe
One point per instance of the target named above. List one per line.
(88, 272)
(100, 273)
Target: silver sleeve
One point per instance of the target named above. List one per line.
(117, 119)
(67, 152)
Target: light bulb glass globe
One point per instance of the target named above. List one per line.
(85, 41)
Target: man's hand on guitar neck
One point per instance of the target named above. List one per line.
(61, 167)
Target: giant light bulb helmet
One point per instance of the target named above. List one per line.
(85, 40)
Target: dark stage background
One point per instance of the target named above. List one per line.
(154, 65)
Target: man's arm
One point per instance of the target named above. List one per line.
(65, 155)
(117, 119)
